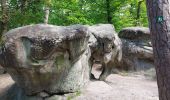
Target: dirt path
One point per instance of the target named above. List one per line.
(116, 87)
(120, 87)
(5, 83)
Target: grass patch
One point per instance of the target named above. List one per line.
(72, 96)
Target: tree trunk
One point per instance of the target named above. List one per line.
(109, 16)
(47, 11)
(4, 20)
(138, 12)
(23, 5)
(159, 18)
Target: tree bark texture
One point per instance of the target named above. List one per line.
(5, 19)
(159, 21)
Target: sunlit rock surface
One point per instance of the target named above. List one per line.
(46, 58)
(137, 49)
(46, 61)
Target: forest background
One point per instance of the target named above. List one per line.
(120, 13)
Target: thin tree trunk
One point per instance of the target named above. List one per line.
(109, 16)
(23, 5)
(5, 19)
(47, 12)
(159, 18)
(138, 12)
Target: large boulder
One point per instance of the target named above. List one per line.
(46, 58)
(106, 47)
(137, 49)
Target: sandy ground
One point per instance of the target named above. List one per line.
(116, 87)
(119, 87)
(5, 83)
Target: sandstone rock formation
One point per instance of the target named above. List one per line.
(106, 47)
(47, 58)
(137, 49)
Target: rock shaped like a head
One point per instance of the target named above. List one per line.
(104, 43)
(106, 48)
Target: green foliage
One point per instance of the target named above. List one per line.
(72, 96)
(126, 13)
(31, 13)
(66, 12)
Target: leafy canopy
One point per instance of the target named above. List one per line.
(66, 12)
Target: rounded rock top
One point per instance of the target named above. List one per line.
(135, 33)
